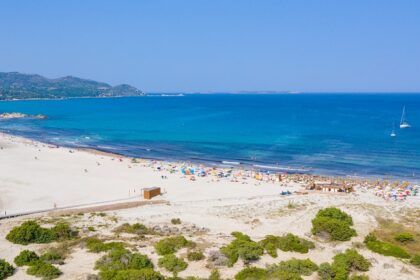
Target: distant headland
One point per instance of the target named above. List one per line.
(18, 86)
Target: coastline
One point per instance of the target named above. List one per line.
(33, 151)
(37, 175)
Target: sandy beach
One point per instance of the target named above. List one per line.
(36, 176)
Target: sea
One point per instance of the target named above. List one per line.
(326, 134)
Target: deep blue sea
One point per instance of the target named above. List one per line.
(340, 134)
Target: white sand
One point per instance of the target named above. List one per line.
(35, 176)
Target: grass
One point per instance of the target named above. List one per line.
(388, 230)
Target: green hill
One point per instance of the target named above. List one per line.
(14, 85)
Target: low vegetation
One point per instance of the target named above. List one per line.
(242, 247)
(26, 257)
(123, 264)
(286, 270)
(195, 255)
(288, 242)
(415, 260)
(384, 248)
(136, 228)
(301, 267)
(176, 221)
(171, 245)
(173, 264)
(343, 265)
(6, 269)
(334, 222)
(43, 270)
(95, 245)
(32, 232)
(404, 237)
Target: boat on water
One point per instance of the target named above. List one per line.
(403, 122)
(393, 134)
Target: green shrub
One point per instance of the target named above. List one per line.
(288, 242)
(138, 274)
(62, 231)
(251, 273)
(136, 228)
(215, 275)
(25, 257)
(118, 260)
(53, 256)
(384, 248)
(415, 260)
(335, 223)
(242, 247)
(325, 272)
(172, 263)
(96, 245)
(302, 267)
(31, 232)
(43, 270)
(254, 273)
(6, 269)
(343, 264)
(195, 256)
(176, 221)
(171, 245)
(404, 237)
(91, 228)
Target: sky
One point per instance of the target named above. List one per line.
(218, 45)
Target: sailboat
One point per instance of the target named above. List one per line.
(393, 134)
(404, 123)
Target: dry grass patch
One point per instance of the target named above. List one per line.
(388, 230)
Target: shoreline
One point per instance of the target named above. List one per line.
(260, 166)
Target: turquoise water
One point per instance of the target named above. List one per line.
(328, 134)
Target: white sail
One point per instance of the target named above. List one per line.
(403, 122)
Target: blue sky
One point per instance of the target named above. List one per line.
(199, 45)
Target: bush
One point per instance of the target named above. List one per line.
(172, 263)
(302, 267)
(288, 242)
(415, 260)
(176, 221)
(215, 275)
(384, 248)
(53, 256)
(32, 232)
(251, 273)
(254, 273)
(325, 272)
(335, 223)
(96, 245)
(25, 257)
(6, 269)
(136, 228)
(172, 244)
(343, 264)
(43, 270)
(142, 274)
(404, 237)
(121, 259)
(195, 256)
(62, 231)
(242, 247)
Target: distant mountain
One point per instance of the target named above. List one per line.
(14, 85)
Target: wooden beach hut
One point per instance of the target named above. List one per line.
(149, 193)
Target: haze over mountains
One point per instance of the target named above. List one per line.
(15, 85)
